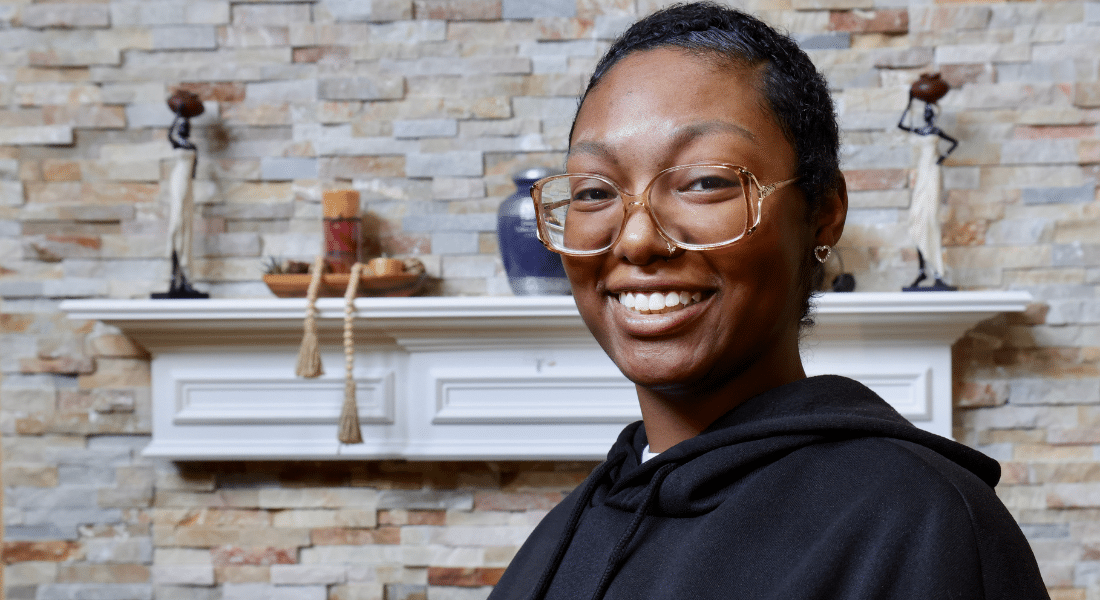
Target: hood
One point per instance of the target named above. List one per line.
(693, 477)
(761, 430)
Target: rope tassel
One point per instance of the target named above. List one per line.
(309, 353)
(349, 431)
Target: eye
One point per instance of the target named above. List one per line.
(710, 183)
(592, 194)
(700, 185)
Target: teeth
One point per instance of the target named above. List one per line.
(658, 302)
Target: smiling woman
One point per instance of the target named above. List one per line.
(665, 107)
(702, 195)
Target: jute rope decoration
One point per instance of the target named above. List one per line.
(309, 354)
(349, 413)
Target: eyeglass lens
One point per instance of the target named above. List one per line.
(696, 205)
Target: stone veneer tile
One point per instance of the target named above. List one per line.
(278, 168)
(519, 9)
(1058, 151)
(1045, 391)
(830, 4)
(304, 90)
(1059, 195)
(253, 36)
(445, 100)
(165, 12)
(1087, 95)
(982, 53)
(169, 592)
(361, 88)
(308, 574)
(448, 164)
(877, 21)
(269, 14)
(262, 591)
(36, 135)
(419, 128)
(352, 555)
(454, 242)
(61, 57)
(463, 577)
(119, 550)
(459, 593)
(184, 37)
(1059, 70)
(425, 499)
(96, 591)
(74, 15)
(183, 575)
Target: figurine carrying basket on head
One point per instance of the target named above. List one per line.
(924, 208)
(181, 210)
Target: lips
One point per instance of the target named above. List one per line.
(658, 302)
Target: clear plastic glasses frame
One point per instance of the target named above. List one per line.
(551, 220)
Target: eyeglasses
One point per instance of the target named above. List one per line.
(695, 207)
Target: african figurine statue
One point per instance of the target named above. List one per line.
(924, 224)
(181, 215)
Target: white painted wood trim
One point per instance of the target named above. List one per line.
(502, 378)
(490, 310)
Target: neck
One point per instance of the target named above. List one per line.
(674, 415)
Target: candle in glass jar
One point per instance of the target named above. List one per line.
(341, 226)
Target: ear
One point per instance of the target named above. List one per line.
(829, 224)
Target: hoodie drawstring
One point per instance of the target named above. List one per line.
(618, 555)
(571, 525)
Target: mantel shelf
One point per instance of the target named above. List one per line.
(148, 320)
(477, 377)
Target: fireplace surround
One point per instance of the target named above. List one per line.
(482, 378)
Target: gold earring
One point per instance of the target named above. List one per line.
(822, 253)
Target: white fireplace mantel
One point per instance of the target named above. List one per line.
(477, 378)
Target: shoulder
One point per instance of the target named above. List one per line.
(895, 483)
(932, 514)
(901, 463)
(898, 479)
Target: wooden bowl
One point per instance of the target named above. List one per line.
(334, 285)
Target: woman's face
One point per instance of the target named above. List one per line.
(661, 108)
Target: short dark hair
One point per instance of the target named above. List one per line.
(794, 90)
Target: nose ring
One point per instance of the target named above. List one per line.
(671, 248)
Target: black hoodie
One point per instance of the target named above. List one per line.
(816, 489)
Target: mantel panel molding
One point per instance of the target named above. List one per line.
(477, 378)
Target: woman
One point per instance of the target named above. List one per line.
(709, 195)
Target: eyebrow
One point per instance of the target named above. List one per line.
(679, 138)
(598, 149)
(708, 127)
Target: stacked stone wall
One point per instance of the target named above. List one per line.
(427, 107)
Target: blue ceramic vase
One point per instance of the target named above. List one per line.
(532, 269)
